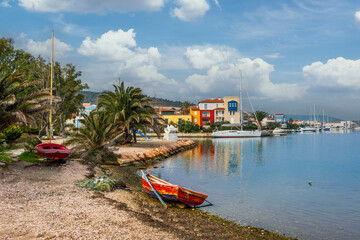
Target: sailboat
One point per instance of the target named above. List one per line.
(310, 128)
(240, 133)
(52, 150)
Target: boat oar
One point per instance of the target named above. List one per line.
(157, 195)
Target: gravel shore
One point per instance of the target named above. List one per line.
(42, 201)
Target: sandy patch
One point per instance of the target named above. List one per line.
(42, 202)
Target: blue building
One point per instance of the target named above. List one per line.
(87, 110)
(279, 118)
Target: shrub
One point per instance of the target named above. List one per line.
(31, 130)
(2, 138)
(30, 145)
(11, 133)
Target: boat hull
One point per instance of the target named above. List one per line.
(172, 192)
(52, 150)
(308, 129)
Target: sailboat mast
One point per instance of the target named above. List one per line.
(51, 84)
(240, 102)
(314, 117)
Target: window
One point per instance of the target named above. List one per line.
(195, 120)
(195, 113)
(205, 106)
(206, 114)
(205, 121)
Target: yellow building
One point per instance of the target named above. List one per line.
(195, 114)
(176, 118)
(232, 110)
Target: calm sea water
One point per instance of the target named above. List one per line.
(264, 182)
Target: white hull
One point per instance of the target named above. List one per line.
(309, 129)
(279, 132)
(238, 134)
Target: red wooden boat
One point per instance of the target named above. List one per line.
(52, 150)
(173, 192)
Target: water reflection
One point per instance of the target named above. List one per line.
(223, 156)
(264, 182)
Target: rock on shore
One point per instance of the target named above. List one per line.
(164, 151)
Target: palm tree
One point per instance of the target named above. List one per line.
(129, 109)
(185, 109)
(260, 115)
(20, 100)
(96, 132)
(148, 119)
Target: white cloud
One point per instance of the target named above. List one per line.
(203, 57)
(119, 49)
(5, 3)
(112, 45)
(357, 19)
(91, 6)
(335, 73)
(44, 48)
(190, 10)
(255, 76)
(274, 56)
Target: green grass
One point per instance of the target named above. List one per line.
(6, 157)
(29, 157)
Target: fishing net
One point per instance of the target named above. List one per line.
(103, 184)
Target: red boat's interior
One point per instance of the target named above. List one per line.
(50, 146)
(186, 190)
(54, 147)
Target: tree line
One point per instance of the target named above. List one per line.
(25, 90)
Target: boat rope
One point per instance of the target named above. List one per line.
(206, 205)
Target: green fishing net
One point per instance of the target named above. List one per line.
(104, 184)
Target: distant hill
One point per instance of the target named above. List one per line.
(91, 97)
(311, 117)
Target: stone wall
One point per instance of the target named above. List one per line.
(158, 153)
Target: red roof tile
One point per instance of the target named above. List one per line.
(212, 101)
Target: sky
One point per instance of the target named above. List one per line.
(290, 54)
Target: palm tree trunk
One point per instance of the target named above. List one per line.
(134, 135)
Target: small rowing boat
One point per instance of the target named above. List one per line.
(172, 192)
(52, 150)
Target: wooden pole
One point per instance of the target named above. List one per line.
(157, 195)
(51, 84)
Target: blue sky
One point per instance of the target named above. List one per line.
(292, 53)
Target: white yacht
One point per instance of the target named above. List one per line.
(308, 129)
(279, 132)
(240, 133)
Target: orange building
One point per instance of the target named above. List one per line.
(195, 113)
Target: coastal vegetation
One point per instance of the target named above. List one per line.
(118, 116)
(25, 92)
(130, 110)
(185, 109)
(186, 126)
(260, 115)
(89, 141)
